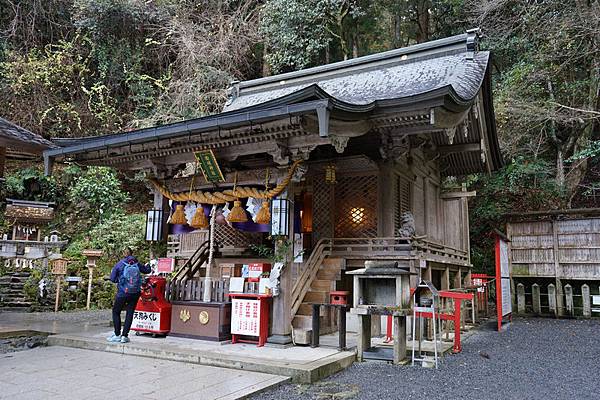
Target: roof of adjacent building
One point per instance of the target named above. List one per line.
(18, 138)
(29, 211)
(402, 73)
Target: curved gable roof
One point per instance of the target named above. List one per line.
(437, 66)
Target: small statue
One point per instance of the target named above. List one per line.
(407, 225)
(299, 173)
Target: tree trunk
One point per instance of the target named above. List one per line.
(355, 45)
(423, 20)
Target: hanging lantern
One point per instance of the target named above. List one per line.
(237, 213)
(280, 225)
(199, 221)
(264, 214)
(330, 174)
(178, 217)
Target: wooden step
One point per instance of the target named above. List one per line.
(316, 297)
(329, 274)
(322, 285)
(304, 309)
(302, 322)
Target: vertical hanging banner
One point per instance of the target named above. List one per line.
(503, 295)
(209, 166)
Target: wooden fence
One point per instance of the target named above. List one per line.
(193, 290)
(544, 299)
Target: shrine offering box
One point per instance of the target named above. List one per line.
(231, 270)
(200, 320)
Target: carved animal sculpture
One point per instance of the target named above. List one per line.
(407, 225)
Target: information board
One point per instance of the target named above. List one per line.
(165, 265)
(503, 295)
(146, 320)
(245, 317)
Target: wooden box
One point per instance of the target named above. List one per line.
(230, 270)
(201, 320)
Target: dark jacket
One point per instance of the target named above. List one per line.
(117, 271)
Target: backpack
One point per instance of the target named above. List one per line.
(131, 278)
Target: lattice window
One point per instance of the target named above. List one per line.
(401, 200)
(322, 209)
(356, 206)
(227, 236)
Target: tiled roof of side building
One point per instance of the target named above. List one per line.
(16, 137)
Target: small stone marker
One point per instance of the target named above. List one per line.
(521, 298)
(552, 298)
(585, 294)
(535, 294)
(569, 298)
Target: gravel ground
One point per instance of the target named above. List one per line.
(532, 359)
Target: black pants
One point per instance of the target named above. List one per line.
(128, 303)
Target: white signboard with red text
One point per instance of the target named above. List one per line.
(245, 317)
(165, 265)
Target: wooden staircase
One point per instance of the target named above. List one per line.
(193, 264)
(313, 286)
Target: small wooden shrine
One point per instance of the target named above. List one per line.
(333, 166)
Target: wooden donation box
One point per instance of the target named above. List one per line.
(381, 288)
(250, 317)
(201, 320)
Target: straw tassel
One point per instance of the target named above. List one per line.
(178, 217)
(263, 216)
(199, 221)
(237, 213)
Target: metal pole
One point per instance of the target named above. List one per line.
(206, 296)
(435, 343)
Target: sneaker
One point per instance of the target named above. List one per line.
(114, 338)
(124, 339)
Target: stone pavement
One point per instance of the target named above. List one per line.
(66, 373)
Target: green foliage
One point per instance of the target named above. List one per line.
(296, 32)
(31, 184)
(117, 232)
(100, 189)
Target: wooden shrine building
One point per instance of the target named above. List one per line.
(366, 143)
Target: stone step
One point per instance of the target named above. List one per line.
(20, 274)
(16, 286)
(22, 304)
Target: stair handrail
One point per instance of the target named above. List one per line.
(191, 262)
(321, 250)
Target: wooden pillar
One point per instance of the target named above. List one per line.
(458, 279)
(364, 332)
(557, 271)
(387, 200)
(446, 279)
(399, 338)
(281, 328)
(2, 161)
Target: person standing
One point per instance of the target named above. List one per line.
(127, 274)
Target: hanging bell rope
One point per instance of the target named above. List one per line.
(237, 213)
(227, 195)
(263, 216)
